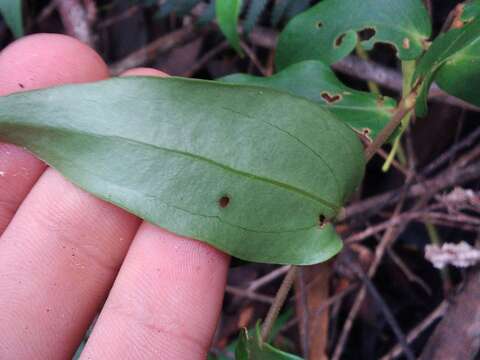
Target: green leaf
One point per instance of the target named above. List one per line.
(460, 75)
(227, 12)
(12, 13)
(365, 112)
(329, 30)
(250, 170)
(251, 347)
(281, 320)
(469, 11)
(453, 60)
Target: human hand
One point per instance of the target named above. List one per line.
(62, 251)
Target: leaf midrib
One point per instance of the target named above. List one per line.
(227, 168)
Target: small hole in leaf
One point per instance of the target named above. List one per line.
(319, 24)
(224, 201)
(339, 40)
(21, 85)
(366, 34)
(330, 98)
(406, 43)
(321, 220)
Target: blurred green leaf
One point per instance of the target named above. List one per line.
(179, 7)
(252, 171)
(227, 12)
(278, 11)
(470, 11)
(255, 9)
(207, 15)
(330, 30)
(453, 60)
(365, 112)
(251, 347)
(11, 11)
(295, 7)
(460, 75)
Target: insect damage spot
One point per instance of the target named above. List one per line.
(366, 34)
(366, 132)
(406, 43)
(224, 201)
(322, 220)
(21, 85)
(330, 98)
(339, 40)
(319, 24)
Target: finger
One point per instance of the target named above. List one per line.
(166, 299)
(33, 62)
(61, 251)
(143, 71)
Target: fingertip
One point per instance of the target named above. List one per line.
(43, 60)
(193, 252)
(144, 71)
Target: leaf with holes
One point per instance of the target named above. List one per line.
(11, 11)
(227, 12)
(255, 172)
(330, 30)
(252, 347)
(453, 61)
(364, 112)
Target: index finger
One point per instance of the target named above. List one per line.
(28, 64)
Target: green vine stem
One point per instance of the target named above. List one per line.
(408, 69)
(406, 106)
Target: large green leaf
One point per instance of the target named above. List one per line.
(250, 170)
(252, 347)
(365, 112)
(227, 12)
(460, 75)
(11, 11)
(453, 61)
(329, 30)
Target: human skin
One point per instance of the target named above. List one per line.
(63, 251)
